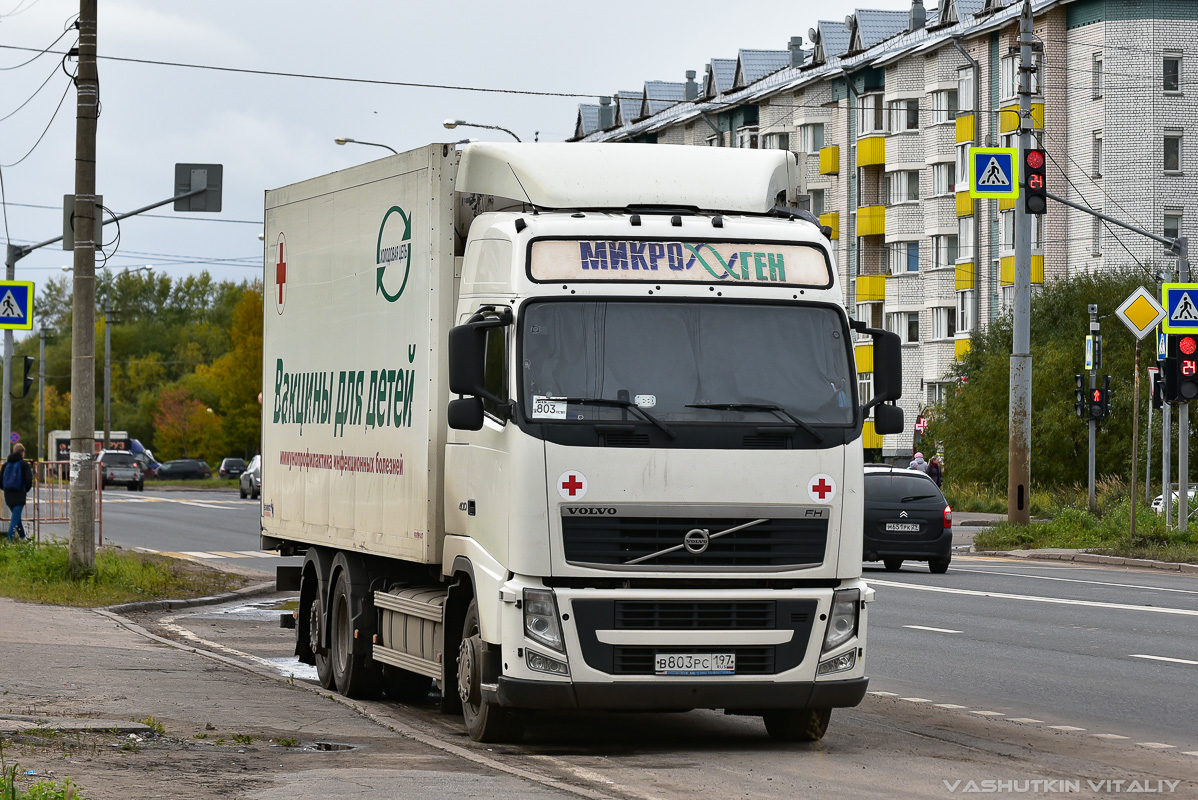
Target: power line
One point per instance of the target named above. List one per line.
(39, 53)
(47, 128)
(154, 216)
(53, 72)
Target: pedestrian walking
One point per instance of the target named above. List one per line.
(935, 472)
(16, 479)
(919, 464)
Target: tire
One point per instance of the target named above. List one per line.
(938, 566)
(892, 564)
(132, 486)
(353, 677)
(241, 491)
(406, 687)
(485, 721)
(797, 724)
(255, 493)
(324, 665)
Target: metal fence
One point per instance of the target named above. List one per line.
(49, 502)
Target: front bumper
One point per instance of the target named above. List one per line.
(518, 693)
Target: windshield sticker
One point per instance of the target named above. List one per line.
(822, 488)
(548, 408)
(706, 262)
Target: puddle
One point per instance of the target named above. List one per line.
(291, 666)
(325, 747)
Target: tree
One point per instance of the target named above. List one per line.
(183, 426)
(236, 377)
(972, 424)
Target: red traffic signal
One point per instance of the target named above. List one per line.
(1035, 192)
(1187, 345)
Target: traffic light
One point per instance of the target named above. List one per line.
(1158, 389)
(1100, 400)
(1185, 368)
(28, 379)
(1079, 396)
(1035, 193)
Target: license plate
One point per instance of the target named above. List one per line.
(695, 663)
(903, 527)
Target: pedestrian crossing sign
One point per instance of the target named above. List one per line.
(1181, 306)
(16, 305)
(994, 172)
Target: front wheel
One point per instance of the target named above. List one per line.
(893, 564)
(241, 491)
(797, 724)
(485, 721)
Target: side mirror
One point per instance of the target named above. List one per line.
(888, 419)
(888, 367)
(467, 346)
(466, 414)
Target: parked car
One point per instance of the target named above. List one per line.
(1158, 504)
(149, 467)
(232, 467)
(251, 479)
(906, 518)
(184, 469)
(118, 466)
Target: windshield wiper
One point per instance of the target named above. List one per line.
(917, 497)
(778, 410)
(628, 404)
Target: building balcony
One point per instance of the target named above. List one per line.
(965, 128)
(964, 276)
(961, 349)
(871, 221)
(870, 438)
(939, 143)
(904, 220)
(865, 357)
(964, 204)
(940, 214)
(1008, 120)
(1006, 270)
(829, 160)
(938, 357)
(832, 220)
(871, 150)
(871, 288)
(904, 148)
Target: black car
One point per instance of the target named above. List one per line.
(184, 468)
(906, 518)
(232, 467)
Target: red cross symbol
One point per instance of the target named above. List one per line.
(921, 424)
(822, 488)
(281, 271)
(572, 484)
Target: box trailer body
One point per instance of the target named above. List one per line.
(567, 426)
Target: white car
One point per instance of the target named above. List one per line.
(118, 466)
(1158, 503)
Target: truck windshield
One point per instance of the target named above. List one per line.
(686, 362)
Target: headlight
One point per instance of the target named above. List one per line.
(542, 663)
(842, 622)
(540, 618)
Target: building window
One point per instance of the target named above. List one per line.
(817, 201)
(776, 141)
(1096, 155)
(714, 141)
(811, 137)
(944, 178)
(871, 116)
(944, 323)
(1037, 231)
(962, 167)
(1172, 152)
(865, 387)
(1172, 75)
(904, 186)
(965, 88)
(905, 324)
(966, 233)
(965, 309)
(746, 137)
(944, 251)
(904, 257)
(1096, 76)
(944, 106)
(1172, 224)
(1096, 235)
(904, 115)
(870, 314)
(1006, 223)
(1009, 76)
(1007, 298)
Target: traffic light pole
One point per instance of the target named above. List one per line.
(1092, 424)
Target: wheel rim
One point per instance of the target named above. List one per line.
(467, 673)
(314, 627)
(341, 634)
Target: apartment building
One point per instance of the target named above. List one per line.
(881, 110)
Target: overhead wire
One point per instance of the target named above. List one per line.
(44, 131)
(53, 72)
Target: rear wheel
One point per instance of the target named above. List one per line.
(324, 665)
(241, 491)
(353, 676)
(485, 721)
(797, 724)
(938, 566)
(893, 564)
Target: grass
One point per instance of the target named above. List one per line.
(11, 780)
(39, 573)
(230, 484)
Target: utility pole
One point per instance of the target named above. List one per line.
(41, 395)
(1183, 412)
(1019, 459)
(107, 378)
(83, 375)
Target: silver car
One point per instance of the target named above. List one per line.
(251, 479)
(118, 466)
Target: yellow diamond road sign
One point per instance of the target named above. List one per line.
(1140, 312)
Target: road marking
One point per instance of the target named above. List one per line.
(199, 554)
(226, 554)
(949, 705)
(257, 554)
(1078, 580)
(1156, 745)
(1107, 736)
(196, 503)
(926, 628)
(145, 550)
(1190, 753)
(1164, 658)
(885, 694)
(1065, 728)
(1186, 612)
(989, 713)
(916, 699)
(1028, 720)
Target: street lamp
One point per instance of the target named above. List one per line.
(345, 140)
(453, 123)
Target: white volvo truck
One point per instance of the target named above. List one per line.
(568, 426)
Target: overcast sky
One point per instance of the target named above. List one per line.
(269, 131)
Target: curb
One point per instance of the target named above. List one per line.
(170, 605)
(1092, 558)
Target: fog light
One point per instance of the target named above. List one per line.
(840, 663)
(541, 663)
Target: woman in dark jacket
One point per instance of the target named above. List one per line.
(16, 479)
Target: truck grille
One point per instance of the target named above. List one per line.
(615, 541)
(678, 615)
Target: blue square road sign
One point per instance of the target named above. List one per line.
(16, 305)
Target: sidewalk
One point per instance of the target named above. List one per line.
(73, 680)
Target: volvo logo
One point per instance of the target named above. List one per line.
(589, 510)
(696, 540)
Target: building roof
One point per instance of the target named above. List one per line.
(588, 120)
(721, 72)
(874, 26)
(753, 65)
(628, 106)
(660, 95)
(833, 39)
